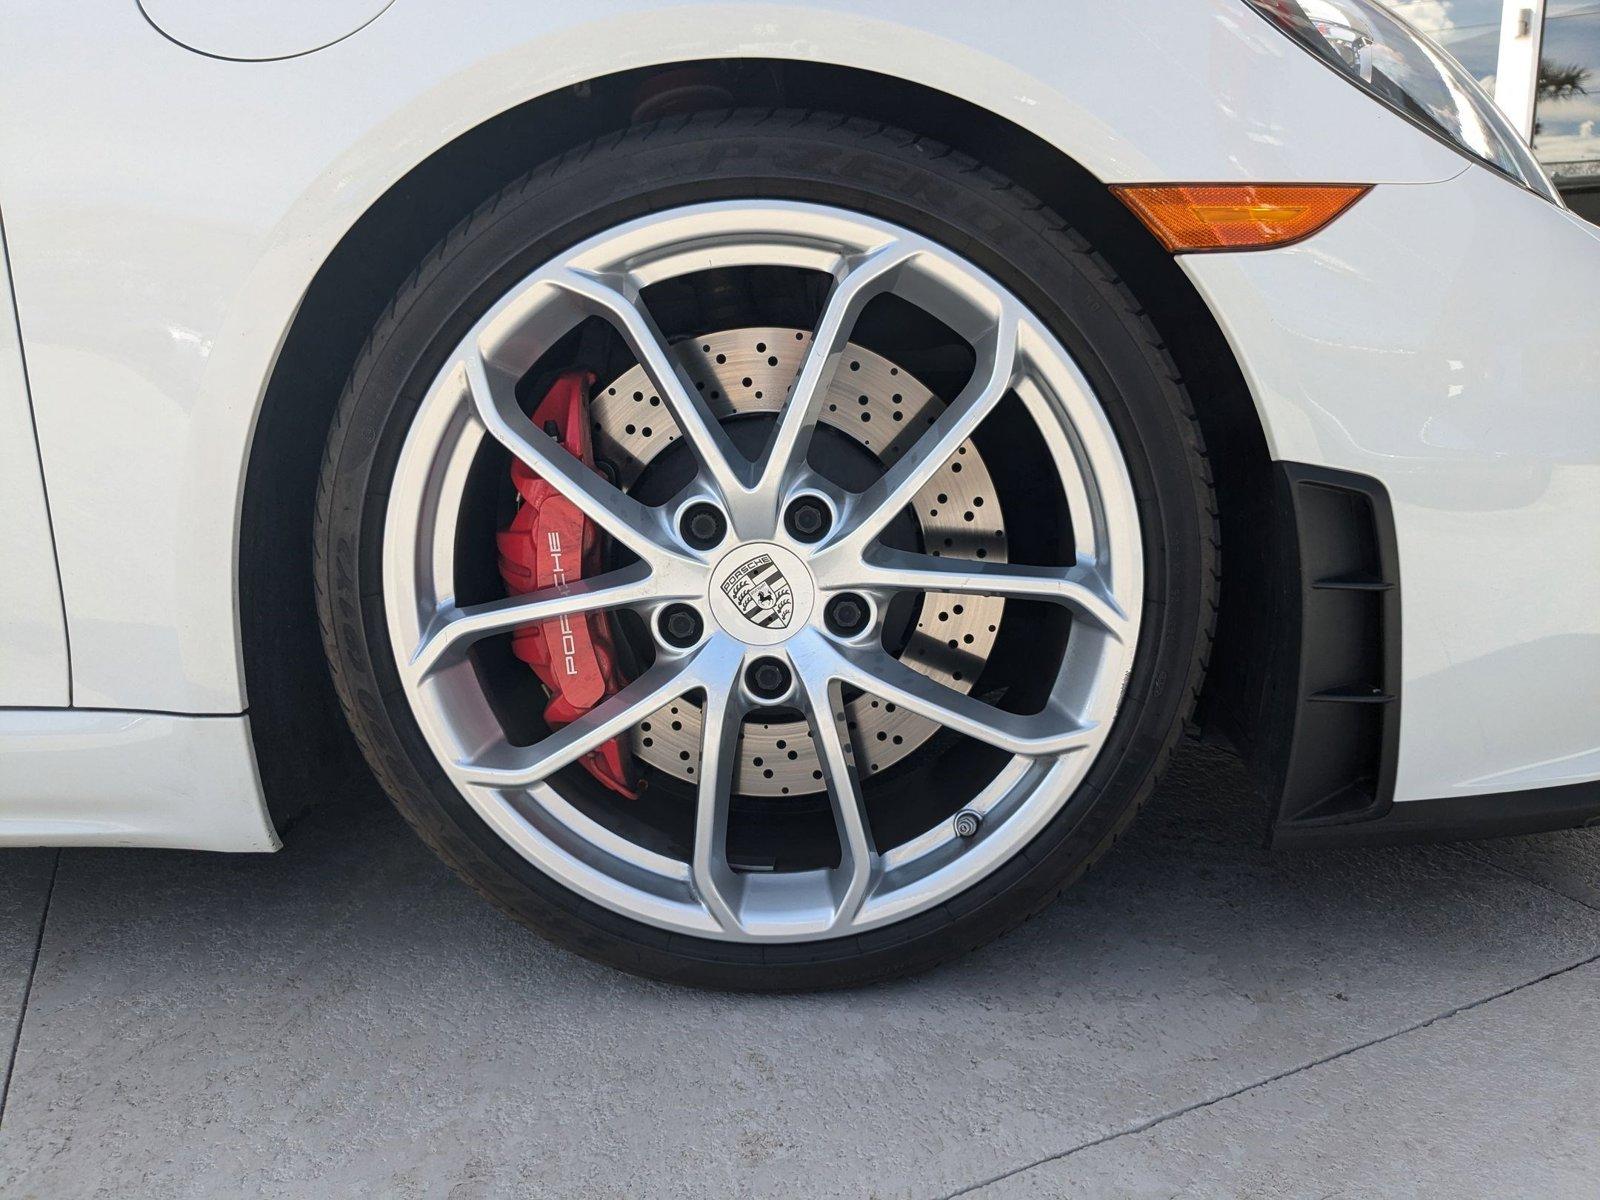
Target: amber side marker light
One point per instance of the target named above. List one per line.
(1203, 216)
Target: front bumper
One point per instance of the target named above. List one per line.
(1444, 340)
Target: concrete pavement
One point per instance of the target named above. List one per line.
(1197, 1018)
(25, 878)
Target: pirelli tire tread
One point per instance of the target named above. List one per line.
(861, 165)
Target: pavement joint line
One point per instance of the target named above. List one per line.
(27, 988)
(1163, 1118)
(1468, 852)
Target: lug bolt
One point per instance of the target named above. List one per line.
(846, 614)
(703, 526)
(680, 626)
(768, 678)
(807, 519)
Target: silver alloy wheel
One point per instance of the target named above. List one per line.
(510, 786)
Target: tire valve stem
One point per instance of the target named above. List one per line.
(966, 823)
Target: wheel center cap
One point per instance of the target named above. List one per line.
(761, 593)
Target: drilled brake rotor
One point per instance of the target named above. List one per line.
(883, 408)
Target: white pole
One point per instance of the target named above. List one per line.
(1516, 78)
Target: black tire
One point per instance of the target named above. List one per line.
(858, 165)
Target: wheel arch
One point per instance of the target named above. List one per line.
(301, 741)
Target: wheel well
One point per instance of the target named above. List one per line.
(302, 742)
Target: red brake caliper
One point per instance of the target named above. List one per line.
(551, 544)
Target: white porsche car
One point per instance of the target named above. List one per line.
(767, 485)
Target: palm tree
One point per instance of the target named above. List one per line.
(1559, 81)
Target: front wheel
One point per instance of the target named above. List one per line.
(843, 600)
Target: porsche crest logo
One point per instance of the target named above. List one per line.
(761, 593)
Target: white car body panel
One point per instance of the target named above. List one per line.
(259, 30)
(80, 778)
(167, 211)
(1474, 395)
(33, 631)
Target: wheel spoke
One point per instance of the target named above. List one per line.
(858, 854)
(715, 881)
(493, 398)
(508, 766)
(1081, 588)
(991, 379)
(720, 462)
(860, 281)
(456, 629)
(1041, 735)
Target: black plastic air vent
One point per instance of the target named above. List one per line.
(1344, 735)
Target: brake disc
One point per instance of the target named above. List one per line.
(884, 409)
